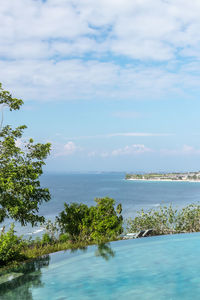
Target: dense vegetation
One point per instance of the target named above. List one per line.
(136, 176)
(167, 220)
(20, 168)
(10, 246)
(77, 226)
(189, 176)
(95, 223)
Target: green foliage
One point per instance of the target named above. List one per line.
(10, 246)
(189, 218)
(133, 176)
(52, 230)
(64, 237)
(46, 239)
(7, 99)
(128, 176)
(95, 223)
(37, 249)
(20, 168)
(167, 220)
(105, 223)
(72, 220)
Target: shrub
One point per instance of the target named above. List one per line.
(10, 246)
(189, 218)
(95, 223)
(46, 239)
(73, 217)
(64, 237)
(51, 230)
(106, 224)
(167, 220)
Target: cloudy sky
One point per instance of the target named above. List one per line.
(114, 85)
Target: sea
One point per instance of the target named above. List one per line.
(133, 195)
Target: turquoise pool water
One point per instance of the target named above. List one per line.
(165, 267)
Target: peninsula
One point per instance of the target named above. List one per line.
(189, 176)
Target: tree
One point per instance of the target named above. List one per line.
(96, 223)
(106, 222)
(10, 246)
(72, 219)
(20, 168)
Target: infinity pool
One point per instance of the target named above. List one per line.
(165, 267)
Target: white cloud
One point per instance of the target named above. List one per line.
(131, 150)
(104, 154)
(43, 44)
(138, 134)
(188, 149)
(136, 149)
(70, 148)
(92, 153)
(119, 134)
(67, 149)
(185, 150)
(127, 150)
(139, 29)
(77, 79)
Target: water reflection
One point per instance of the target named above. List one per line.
(105, 251)
(18, 282)
(82, 249)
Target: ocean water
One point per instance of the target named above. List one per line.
(133, 195)
(162, 267)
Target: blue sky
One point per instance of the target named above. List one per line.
(113, 85)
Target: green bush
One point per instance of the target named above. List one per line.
(46, 239)
(73, 218)
(10, 246)
(95, 223)
(167, 220)
(189, 218)
(51, 230)
(64, 237)
(105, 222)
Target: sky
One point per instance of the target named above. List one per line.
(114, 85)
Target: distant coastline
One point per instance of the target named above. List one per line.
(181, 177)
(169, 180)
